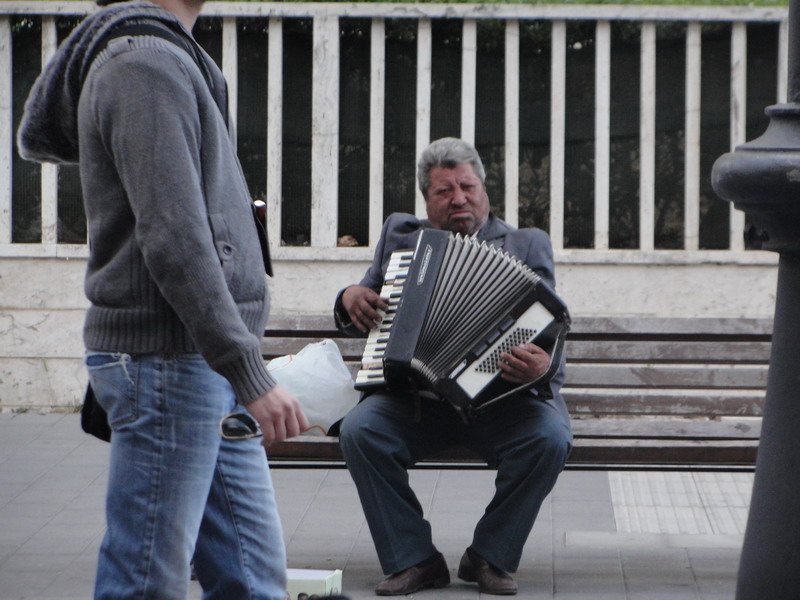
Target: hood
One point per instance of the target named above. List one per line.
(48, 131)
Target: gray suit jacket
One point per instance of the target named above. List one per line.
(401, 230)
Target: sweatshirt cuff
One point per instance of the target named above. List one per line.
(340, 316)
(248, 376)
(342, 319)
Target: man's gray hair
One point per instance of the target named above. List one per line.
(448, 153)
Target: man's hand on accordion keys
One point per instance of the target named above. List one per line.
(364, 306)
(525, 363)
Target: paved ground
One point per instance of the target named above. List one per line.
(614, 536)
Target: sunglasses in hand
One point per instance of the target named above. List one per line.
(239, 426)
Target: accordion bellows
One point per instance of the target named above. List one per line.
(455, 304)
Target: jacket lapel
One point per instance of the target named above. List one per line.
(493, 232)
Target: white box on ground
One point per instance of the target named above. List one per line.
(313, 581)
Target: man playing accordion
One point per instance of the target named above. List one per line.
(525, 437)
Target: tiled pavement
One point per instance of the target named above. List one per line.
(649, 536)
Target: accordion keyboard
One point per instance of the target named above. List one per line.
(371, 373)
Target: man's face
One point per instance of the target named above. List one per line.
(456, 199)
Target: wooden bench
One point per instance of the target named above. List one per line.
(644, 393)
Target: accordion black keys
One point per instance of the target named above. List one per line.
(455, 304)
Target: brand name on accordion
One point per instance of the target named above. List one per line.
(426, 257)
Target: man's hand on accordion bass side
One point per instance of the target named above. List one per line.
(362, 305)
(524, 363)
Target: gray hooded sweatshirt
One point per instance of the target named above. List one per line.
(174, 264)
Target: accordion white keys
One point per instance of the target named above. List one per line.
(455, 304)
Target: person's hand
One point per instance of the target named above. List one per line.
(362, 305)
(279, 415)
(524, 363)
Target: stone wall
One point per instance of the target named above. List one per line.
(42, 305)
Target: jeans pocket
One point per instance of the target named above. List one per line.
(114, 378)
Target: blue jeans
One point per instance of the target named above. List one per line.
(177, 491)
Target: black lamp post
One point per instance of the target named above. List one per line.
(762, 178)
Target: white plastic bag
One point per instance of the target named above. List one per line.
(321, 381)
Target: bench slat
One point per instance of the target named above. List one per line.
(351, 348)
(581, 325)
(664, 452)
(725, 428)
(617, 375)
(621, 451)
(670, 325)
(668, 351)
(576, 351)
(702, 375)
(697, 403)
(613, 375)
(284, 322)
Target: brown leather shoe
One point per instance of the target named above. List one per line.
(432, 572)
(490, 579)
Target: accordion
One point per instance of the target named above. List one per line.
(455, 304)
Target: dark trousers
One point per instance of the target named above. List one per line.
(526, 440)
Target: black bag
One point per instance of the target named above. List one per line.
(94, 419)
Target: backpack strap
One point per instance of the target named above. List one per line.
(165, 32)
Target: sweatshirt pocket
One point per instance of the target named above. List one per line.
(225, 249)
